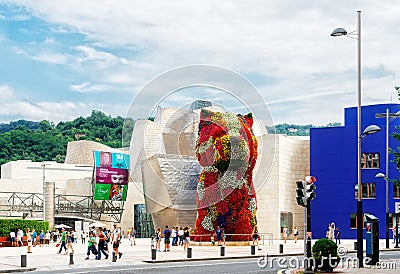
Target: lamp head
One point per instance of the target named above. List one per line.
(380, 175)
(339, 32)
(371, 130)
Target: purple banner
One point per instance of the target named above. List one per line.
(109, 175)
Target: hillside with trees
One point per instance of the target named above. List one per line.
(44, 141)
(295, 130)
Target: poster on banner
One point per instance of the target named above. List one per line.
(85, 226)
(78, 227)
(111, 175)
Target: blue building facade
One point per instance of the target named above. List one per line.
(333, 161)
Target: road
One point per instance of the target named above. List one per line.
(244, 265)
(248, 265)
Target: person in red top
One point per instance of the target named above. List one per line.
(101, 245)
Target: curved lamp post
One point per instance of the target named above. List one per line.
(357, 35)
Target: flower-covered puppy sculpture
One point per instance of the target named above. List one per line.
(227, 151)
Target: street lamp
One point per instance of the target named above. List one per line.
(357, 34)
(381, 175)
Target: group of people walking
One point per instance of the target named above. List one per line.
(97, 242)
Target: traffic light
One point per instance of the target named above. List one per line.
(309, 193)
(310, 188)
(305, 191)
(301, 193)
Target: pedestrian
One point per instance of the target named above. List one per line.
(167, 238)
(34, 236)
(70, 240)
(394, 234)
(174, 235)
(218, 234)
(133, 236)
(186, 236)
(13, 238)
(255, 236)
(47, 238)
(223, 236)
(91, 245)
(101, 245)
(75, 236)
(295, 233)
(284, 233)
(180, 235)
(20, 234)
(116, 239)
(158, 239)
(128, 232)
(55, 236)
(29, 239)
(41, 238)
(337, 235)
(63, 240)
(83, 237)
(331, 231)
(107, 238)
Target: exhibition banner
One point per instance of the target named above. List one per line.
(111, 175)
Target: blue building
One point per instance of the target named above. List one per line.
(333, 161)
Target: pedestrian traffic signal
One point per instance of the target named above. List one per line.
(309, 191)
(305, 191)
(301, 193)
(310, 188)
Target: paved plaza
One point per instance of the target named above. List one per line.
(46, 258)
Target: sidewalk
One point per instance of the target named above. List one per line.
(46, 258)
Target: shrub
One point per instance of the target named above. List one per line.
(7, 225)
(324, 251)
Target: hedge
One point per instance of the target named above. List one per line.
(8, 225)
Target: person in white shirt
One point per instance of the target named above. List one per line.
(180, 235)
(20, 234)
(174, 235)
(47, 237)
(115, 240)
(13, 239)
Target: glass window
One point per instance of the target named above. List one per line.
(369, 160)
(396, 190)
(368, 190)
(287, 221)
(353, 220)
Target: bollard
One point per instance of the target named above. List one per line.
(114, 256)
(253, 250)
(153, 254)
(23, 260)
(189, 252)
(280, 248)
(222, 250)
(71, 258)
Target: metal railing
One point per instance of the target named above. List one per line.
(265, 238)
(65, 205)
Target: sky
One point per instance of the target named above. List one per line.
(62, 59)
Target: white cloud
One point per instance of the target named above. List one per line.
(6, 93)
(89, 88)
(287, 41)
(52, 111)
(50, 58)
